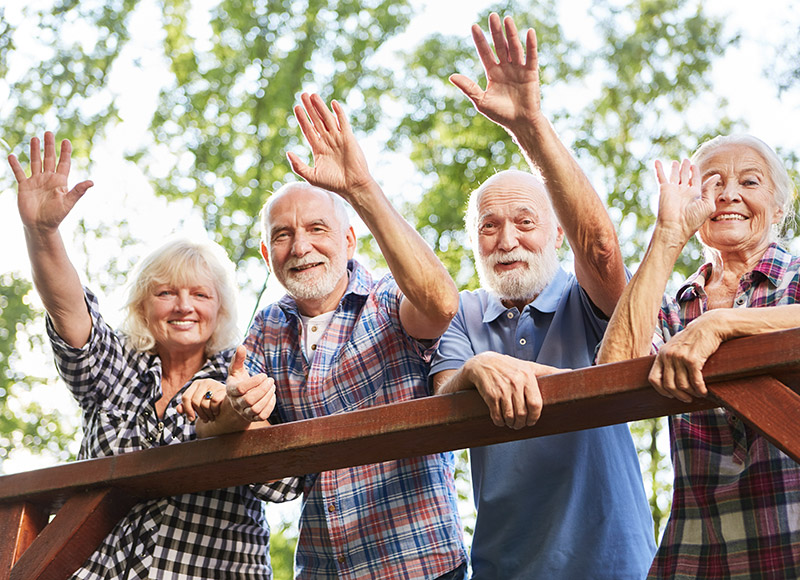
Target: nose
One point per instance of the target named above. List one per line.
(507, 239)
(184, 301)
(301, 245)
(729, 191)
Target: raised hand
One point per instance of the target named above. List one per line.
(339, 163)
(252, 397)
(684, 204)
(512, 94)
(44, 199)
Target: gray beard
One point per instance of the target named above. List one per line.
(523, 285)
(317, 288)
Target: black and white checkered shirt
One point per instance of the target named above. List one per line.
(218, 534)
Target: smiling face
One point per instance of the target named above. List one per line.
(745, 202)
(517, 237)
(182, 317)
(309, 248)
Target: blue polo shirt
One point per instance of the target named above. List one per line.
(569, 506)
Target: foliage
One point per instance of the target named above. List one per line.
(282, 542)
(227, 115)
(24, 424)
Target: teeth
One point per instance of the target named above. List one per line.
(181, 322)
(729, 216)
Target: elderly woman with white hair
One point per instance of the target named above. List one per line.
(736, 500)
(180, 326)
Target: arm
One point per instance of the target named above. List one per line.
(43, 202)
(678, 368)
(507, 385)
(430, 298)
(512, 100)
(683, 207)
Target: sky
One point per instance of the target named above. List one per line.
(121, 188)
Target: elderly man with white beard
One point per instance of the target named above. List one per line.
(564, 506)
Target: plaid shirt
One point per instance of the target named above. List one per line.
(736, 501)
(209, 535)
(396, 519)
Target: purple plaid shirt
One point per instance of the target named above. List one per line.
(736, 500)
(396, 519)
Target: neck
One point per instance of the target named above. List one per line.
(735, 264)
(178, 367)
(519, 304)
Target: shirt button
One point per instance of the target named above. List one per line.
(331, 508)
(740, 300)
(313, 347)
(313, 329)
(341, 559)
(160, 426)
(510, 314)
(523, 342)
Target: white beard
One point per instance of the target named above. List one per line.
(313, 287)
(522, 283)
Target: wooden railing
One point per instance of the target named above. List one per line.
(754, 376)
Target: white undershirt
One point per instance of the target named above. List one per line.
(313, 329)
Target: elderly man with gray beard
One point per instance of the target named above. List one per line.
(564, 506)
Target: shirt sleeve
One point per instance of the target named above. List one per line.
(285, 489)
(454, 348)
(90, 370)
(389, 297)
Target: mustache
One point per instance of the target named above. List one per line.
(306, 261)
(517, 255)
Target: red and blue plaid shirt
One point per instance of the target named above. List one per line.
(736, 500)
(396, 519)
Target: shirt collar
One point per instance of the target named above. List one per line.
(772, 266)
(359, 284)
(546, 301)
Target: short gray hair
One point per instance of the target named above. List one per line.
(179, 261)
(339, 206)
(471, 217)
(784, 190)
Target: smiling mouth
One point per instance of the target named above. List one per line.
(729, 217)
(305, 267)
(182, 323)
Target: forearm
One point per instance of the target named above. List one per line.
(419, 274)
(59, 286)
(732, 323)
(630, 330)
(586, 223)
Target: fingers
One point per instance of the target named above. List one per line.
(236, 370)
(202, 400)
(251, 397)
(36, 156)
(469, 87)
(531, 52)
(514, 44)
(661, 178)
(482, 46)
(49, 152)
(16, 168)
(64, 158)
(298, 166)
(498, 38)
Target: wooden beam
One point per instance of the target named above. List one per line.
(586, 398)
(20, 523)
(76, 531)
(766, 404)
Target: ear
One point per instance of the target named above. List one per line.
(265, 254)
(351, 242)
(777, 216)
(559, 236)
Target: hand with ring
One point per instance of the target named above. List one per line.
(203, 399)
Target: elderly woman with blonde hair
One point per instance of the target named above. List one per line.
(180, 326)
(736, 500)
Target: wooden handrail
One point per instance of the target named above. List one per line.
(582, 399)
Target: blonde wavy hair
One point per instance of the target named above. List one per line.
(180, 261)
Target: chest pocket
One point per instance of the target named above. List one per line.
(109, 431)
